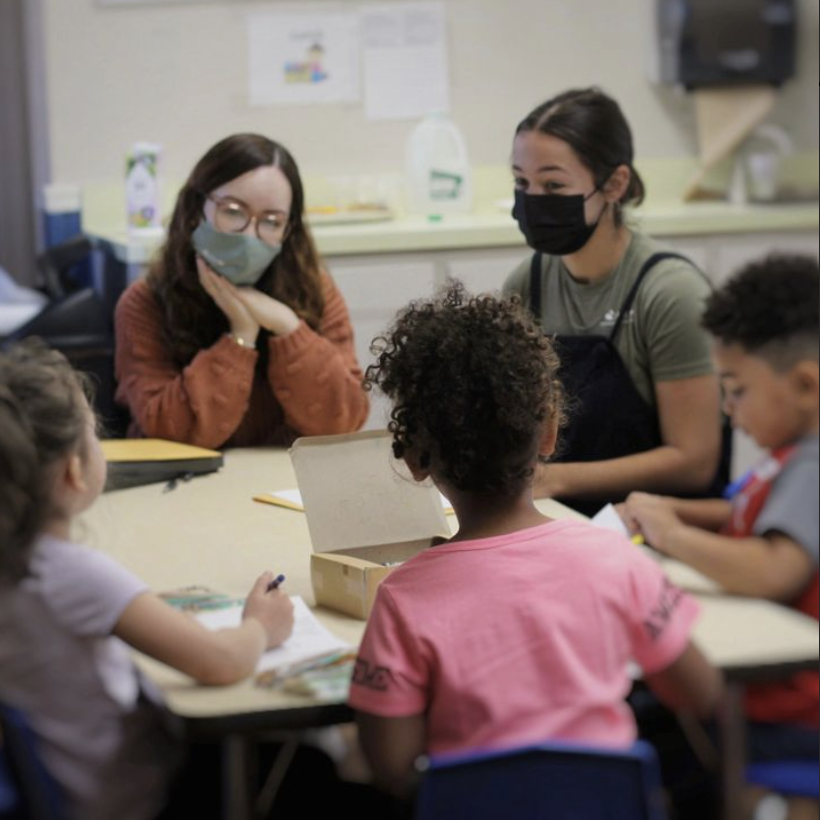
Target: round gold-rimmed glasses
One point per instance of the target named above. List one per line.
(233, 216)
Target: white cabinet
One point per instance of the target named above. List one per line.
(732, 253)
(484, 271)
(377, 286)
(722, 255)
(693, 248)
(375, 289)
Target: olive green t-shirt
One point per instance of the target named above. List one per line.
(661, 339)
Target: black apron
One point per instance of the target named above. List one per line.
(607, 417)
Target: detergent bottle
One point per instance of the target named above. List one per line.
(439, 177)
(142, 192)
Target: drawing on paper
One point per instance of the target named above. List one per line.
(310, 70)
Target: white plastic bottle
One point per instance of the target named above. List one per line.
(439, 177)
(142, 194)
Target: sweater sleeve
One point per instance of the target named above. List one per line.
(202, 403)
(316, 377)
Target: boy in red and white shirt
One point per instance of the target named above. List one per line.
(763, 542)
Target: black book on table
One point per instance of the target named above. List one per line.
(136, 462)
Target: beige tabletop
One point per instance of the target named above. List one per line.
(210, 532)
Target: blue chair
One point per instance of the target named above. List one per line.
(548, 782)
(9, 796)
(32, 793)
(788, 778)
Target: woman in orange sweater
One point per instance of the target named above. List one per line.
(238, 336)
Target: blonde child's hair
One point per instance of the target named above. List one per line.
(43, 414)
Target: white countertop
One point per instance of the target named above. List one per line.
(497, 229)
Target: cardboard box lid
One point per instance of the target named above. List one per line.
(356, 494)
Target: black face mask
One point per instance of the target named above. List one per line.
(553, 224)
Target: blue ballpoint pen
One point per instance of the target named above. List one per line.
(276, 582)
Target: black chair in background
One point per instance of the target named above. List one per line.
(79, 324)
(63, 267)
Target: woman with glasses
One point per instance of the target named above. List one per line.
(238, 336)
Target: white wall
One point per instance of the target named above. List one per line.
(177, 75)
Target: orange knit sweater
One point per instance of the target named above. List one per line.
(312, 385)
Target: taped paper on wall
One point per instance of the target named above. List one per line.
(406, 68)
(303, 59)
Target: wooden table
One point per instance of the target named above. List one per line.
(209, 531)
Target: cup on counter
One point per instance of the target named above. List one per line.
(763, 174)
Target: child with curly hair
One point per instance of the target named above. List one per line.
(520, 628)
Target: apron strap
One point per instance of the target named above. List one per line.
(633, 294)
(535, 286)
(536, 280)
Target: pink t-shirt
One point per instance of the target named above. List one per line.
(518, 639)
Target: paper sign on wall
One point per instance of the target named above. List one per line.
(150, 2)
(406, 68)
(303, 58)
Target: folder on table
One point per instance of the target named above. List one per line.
(134, 462)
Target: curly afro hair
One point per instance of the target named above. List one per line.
(472, 381)
(770, 308)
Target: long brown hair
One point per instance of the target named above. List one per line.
(594, 126)
(42, 419)
(192, 320)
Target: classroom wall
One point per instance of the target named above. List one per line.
(177, 75)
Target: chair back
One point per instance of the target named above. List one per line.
(63, 267)
(9, 796)
(790, 778)
(38, 796)
(548, 782)
(77, 326)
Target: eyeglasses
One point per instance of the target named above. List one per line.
(234, 216)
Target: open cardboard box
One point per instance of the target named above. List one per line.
(365, 514)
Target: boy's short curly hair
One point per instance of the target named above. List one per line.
(771, 308)
(472, 381)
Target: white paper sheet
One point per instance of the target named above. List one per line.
(305, 58)
(406, 66)
(310, 638)
(608, 519)
(681, 574)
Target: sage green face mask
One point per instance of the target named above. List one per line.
(240, 258)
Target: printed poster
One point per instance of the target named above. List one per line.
(303, 58)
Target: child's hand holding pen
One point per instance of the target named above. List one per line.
(271, 608)
(653, 517)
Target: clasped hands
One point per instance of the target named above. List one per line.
(247, 309)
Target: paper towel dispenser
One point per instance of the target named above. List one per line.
(707, 43)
